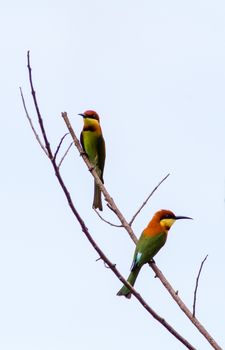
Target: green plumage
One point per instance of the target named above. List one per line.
(151, 241)
(94, 145)
(147, 247)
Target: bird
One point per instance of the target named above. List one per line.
(93, 144)
(150, 242)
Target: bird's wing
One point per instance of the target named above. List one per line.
(147, 247)
(101, 154)
(82, 140)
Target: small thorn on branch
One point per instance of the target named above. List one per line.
(109, 267)
(105, 264)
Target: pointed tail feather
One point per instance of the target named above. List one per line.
(131, 279)
(97, 202)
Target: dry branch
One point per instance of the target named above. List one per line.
(40, 120)
(196, 285)
(65, 154)
(59, 145)
(32, 125)
(124, 224)
(147, 199)
(107, 262)
(106, 221)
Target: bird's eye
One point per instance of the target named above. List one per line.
(168, 216)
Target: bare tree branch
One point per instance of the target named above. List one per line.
(31, 124)
(89, 236)
(59, 145)
(147, 199)
(40, 120)
(65, 154)
(106, 221)
(196, 285)
(124, 224)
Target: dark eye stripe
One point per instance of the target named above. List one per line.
(168, 216)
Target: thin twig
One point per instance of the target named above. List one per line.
(65, 154)
(31, 124)
(109, 206)
(147, 199)
(59, 145)
(40, 120)
(196, 285)
(106, 221)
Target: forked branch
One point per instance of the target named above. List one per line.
(124, 223)
(127, 227)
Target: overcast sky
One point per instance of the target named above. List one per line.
(155, 73)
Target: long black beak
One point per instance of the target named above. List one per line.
(183, 217)
(82, 115)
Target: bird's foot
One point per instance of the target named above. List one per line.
(109, 267)
(91, 168)
(83, 153)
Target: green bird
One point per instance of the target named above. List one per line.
(150, 242)
(93, 144)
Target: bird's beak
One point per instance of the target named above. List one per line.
(82, 115)
(183, 217)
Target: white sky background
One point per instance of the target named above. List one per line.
(154, 71)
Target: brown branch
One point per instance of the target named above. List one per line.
(31, 124)
(59, 145)
(65, 154)
(184, 308)
(196, 285)
(40, 120)
(88, 235)
(106, 221)
(147, 199)
(113, 267)
(121, 218)
(128, 228)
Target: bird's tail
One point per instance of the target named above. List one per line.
(97, 202)
(131, 279)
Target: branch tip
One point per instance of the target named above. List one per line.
(196, 285)
(147, 199)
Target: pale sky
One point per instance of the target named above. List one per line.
(155, 73)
